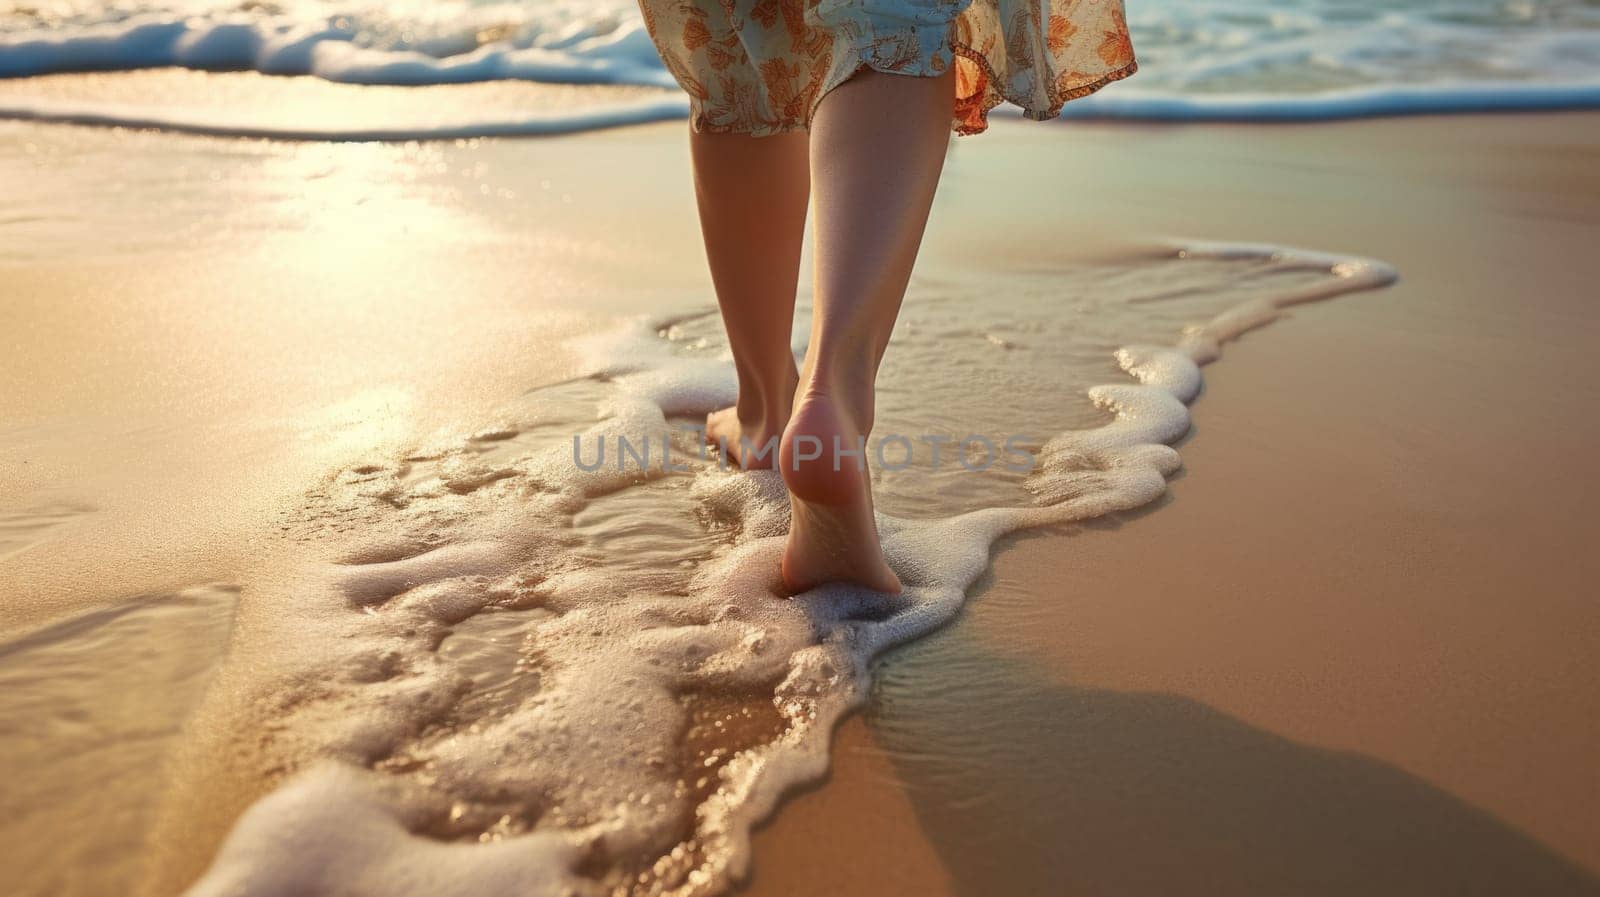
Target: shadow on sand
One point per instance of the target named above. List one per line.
(1028, 787)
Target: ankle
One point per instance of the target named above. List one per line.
(850, 393)
(765, 410)
(761, 422)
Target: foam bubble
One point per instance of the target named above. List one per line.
(330, 832)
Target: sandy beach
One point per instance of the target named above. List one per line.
(1348, 652)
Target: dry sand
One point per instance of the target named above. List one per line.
(1351, 653)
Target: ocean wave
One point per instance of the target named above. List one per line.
(1195, 46)
(598, 52)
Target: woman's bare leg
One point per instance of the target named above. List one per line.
(752, 193)
(878, 144)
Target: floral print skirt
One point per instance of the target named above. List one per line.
(760, 66)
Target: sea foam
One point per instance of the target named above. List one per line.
(446, 124)
(582, 52)
(526, 677)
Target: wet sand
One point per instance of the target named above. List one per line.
(1352, 652)
(1349, 653)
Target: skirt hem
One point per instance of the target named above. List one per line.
(1059, 97)
(1058, 100)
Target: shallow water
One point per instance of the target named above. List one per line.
(513, 672)
(1311, 59)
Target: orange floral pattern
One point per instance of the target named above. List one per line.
(760, 66)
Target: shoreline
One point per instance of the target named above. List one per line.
(248, 104)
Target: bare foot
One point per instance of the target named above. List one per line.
(833, 536)
(754, 448)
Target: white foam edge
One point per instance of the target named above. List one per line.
(214, 124)
(1439, 98)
